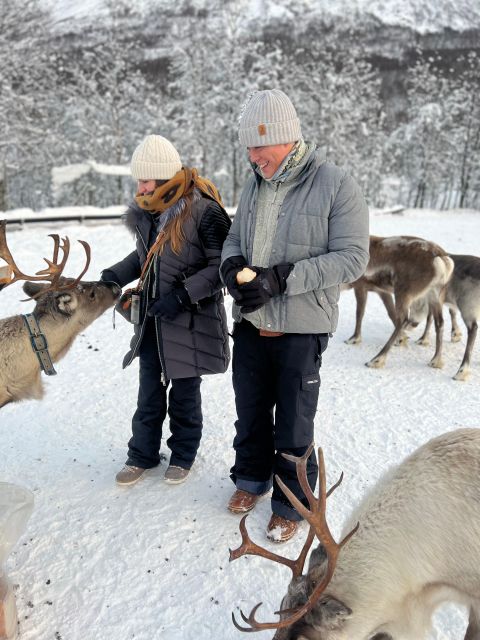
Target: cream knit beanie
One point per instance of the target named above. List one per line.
(268, 117)
(155, 159)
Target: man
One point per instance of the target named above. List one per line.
(302, 227)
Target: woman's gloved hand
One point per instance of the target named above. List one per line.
(169, 306)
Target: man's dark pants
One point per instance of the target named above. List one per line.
(276, 382)
(184, 409)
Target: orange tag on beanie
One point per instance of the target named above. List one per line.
(262, 130)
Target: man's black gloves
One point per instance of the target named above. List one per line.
(268, 283)
(170, 305)
(229, 269)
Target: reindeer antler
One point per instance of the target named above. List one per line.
(54, 270)
(316, 517)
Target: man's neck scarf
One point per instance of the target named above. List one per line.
(183, 183)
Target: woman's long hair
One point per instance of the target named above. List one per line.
(173, 231)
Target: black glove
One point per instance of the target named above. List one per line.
(170, 305)
(229, 269)
(108, 275)
(268, 283)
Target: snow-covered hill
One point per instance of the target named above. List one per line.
(428, 16)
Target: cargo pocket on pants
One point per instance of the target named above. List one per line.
(307, 398)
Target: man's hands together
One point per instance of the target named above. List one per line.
(269, 283)
(254, 294)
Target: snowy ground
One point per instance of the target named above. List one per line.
(151, 561)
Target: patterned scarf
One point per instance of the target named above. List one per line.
(182, 183)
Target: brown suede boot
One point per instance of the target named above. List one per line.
(280, 529)
(242, 501)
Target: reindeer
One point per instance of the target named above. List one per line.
(462, 294)
(64, 307)
(416, 547)
(416, 272)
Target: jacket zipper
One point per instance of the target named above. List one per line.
(158, 329)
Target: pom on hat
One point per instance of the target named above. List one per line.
(268, 117)
(155, 159)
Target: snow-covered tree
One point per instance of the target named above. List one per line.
(25, 100)
(337, 94)
(111, 107)
(464, 103)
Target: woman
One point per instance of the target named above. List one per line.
(181, 333)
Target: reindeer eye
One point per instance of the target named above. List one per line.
(92, 294)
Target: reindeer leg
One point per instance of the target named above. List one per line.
(387, 300)
(456, 332)
(473, 629)
(464, 371)
(361, 295)
(436, 362)
(424, 339)
(379, 360)
(5, 399)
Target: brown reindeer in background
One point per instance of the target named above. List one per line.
(462, 293)
(416, 272)
(416, 548)
(64, 307)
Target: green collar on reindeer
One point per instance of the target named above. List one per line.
(39, 344)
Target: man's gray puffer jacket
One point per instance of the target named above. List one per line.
(195, 342)
(322, 228)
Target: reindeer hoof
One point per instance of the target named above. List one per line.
(376, 363)
(462, 376)
(423, 342)
(436, 364)
(456, 337)
(353, 340)
(401, 342)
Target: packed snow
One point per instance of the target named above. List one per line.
(151, 561)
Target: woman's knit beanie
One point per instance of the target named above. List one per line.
(155, 159)
(268, 117)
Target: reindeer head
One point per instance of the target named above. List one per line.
(81, 300)
(306, 613)
(326, 618)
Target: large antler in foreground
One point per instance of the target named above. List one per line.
(52, 273)
(316, 517)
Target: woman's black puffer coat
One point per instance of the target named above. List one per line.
(196, 341)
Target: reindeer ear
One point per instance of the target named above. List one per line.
(66, 303)
(334, 612)
(34, 288)
(328, 614)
